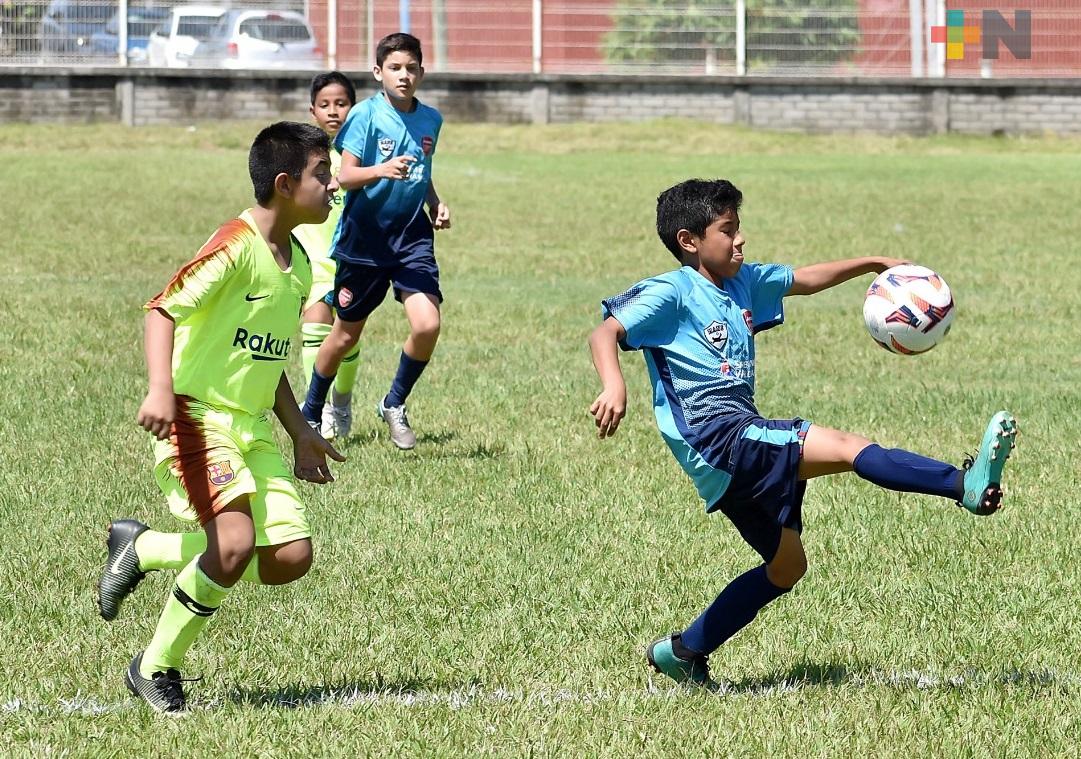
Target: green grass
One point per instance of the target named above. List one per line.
(490, 593)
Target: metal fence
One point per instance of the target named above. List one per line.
(884, 38)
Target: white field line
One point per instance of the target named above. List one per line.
(348, 696)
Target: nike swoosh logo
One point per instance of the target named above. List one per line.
(114, 569)
(249, 297)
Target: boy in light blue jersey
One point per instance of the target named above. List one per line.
(696, 327)
(385, 237)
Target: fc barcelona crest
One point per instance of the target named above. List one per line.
(220, 473)
(386, 146)
(717, 334)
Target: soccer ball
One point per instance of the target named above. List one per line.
(908, 309)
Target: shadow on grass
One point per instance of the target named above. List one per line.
(832, 675)
(430, 446)
(295, 696)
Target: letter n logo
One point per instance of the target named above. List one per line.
(1016, 38)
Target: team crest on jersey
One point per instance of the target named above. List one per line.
(717, 334)
(747, 318)
(345, 297)
(427, 144)
(386, 146)
(221, 473)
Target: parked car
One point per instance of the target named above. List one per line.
(256, 39)
(173, 42)
(141, 22)
(68, 25)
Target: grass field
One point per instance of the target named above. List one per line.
(491, 592)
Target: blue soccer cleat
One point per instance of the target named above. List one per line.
(693, 672)
(983, 474)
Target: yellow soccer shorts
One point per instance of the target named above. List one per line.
(322, 281)
(215, 455)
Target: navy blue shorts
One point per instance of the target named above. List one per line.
(765, 493)
(360, 288)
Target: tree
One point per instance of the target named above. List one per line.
(669, 33)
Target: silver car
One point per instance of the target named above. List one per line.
(260, 39)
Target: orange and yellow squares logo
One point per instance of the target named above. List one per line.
(220, 473)
(955, 34)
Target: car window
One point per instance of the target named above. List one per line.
(199, 27)
(275, 29)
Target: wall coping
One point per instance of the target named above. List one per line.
(739, 82)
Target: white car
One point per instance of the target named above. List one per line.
(174, 41)
(260, 39)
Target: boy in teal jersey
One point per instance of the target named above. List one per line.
(384, 237)
(217, 341)
(696, 328)
(332, 96)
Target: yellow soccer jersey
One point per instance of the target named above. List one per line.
(235, 311)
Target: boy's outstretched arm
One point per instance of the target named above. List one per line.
(310, 450)
(353, 176)
(158, 410)
(808, 280)
(611, 404)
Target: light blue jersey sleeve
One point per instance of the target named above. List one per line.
(767, 284)
(648, 311)
(353, 135)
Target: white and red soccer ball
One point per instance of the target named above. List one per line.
(908, 309)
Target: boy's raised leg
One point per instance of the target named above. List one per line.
(977, 487)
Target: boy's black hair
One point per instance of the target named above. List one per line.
(282, 148)
(395, 43)
(693, 205)
(319, 81)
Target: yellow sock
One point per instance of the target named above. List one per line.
(187, 610)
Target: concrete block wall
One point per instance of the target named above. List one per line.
(140, 97)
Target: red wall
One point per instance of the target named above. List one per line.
(487, 38)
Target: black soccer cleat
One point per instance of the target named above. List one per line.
(121, 573)
(163, 691)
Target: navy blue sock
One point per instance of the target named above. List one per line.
(409, 371)
(733, 610)
(318, 388)
(908, 472)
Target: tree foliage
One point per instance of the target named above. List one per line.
(779, 32)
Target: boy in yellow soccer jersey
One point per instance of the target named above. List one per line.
(217, 340)
(333, 96)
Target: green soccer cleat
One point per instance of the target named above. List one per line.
(163, 691)
(121, 573)
(983, 474)
(691, 672)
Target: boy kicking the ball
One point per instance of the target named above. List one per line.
(217, 341)
(696, 327)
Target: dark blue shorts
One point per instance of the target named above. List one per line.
(360, 288)
(765, 493)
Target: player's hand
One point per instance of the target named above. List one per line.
(157, 413)
(888, 263)
(440, 216)
(310, 453)
(608, 410)
(397, 168)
